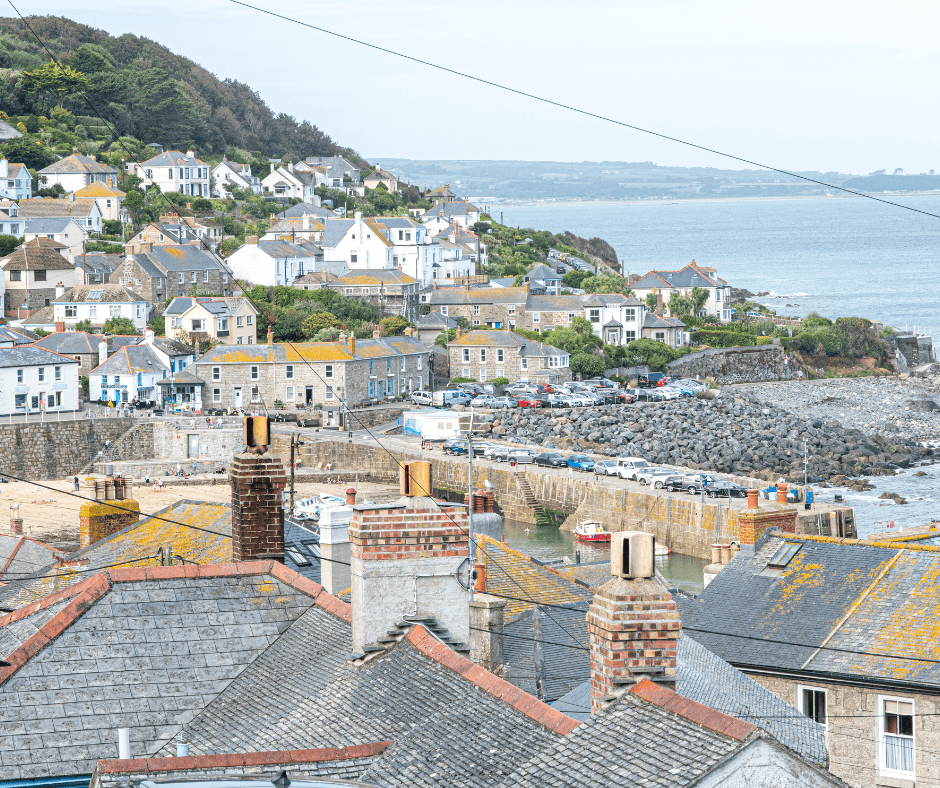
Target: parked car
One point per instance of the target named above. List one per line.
(580, 462)
(692, 483)
(725, 489)
(519, 456)
(652, 474)
(549, 400)
(627, 467)
(668, 393)
(679, 389)
(552, 459)
(645, 395)
(480, 447)
(671, 483)
(491, 450)
(457, 447)
(651, 380)
(605, 382)
(503, 402)
(422, 397)
(691, 383)
(444, 399)
(448, 445)
(483, 401)
(605, 468)
(528, 401)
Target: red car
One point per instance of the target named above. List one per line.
(528, 402)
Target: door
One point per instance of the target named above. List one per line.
(308, 395)
(192, 449)
(238, 397)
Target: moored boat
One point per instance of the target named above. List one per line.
(591, 531)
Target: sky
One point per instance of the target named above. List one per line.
(803, 85)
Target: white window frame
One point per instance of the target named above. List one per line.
(216, 395)
(288, 394)
(800, 701)
(289, 371)
(482, 355)
(443, 310)
(881, 733)
(523, 363)
(328, 371)
(329, 393)
(217, 373)
(254, 372)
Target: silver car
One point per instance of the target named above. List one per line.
(483, 401)
(504, 402)
(605, 468)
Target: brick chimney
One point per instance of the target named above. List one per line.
(753, 523)
(251, 240)
(60, 326)
(352, 344)
(659, 302)
(270, 337)
(377, 333)
(257, 479)
(633, 623)
(404, 557)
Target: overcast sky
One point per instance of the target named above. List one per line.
(835, 85)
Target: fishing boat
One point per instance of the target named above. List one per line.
(310, 508)
(662, 551)
(591, 531)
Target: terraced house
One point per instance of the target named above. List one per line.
(485, 355)
(32, 272)
(393, 292)
(501, 307)
(356, 371)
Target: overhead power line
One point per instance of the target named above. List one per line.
(578, 110)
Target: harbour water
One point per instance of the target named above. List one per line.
(836, 256)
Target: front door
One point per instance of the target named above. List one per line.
(309, 395)
(238, 397)
(192, 450)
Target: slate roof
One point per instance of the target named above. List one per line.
(30, 356)
(505, 281)
(44, 317)
(144, 649)
(652, 320)
(650, 737)
(78, 164)
(105, 264)
(50, 208)
(481, 295)
(306, 208)
(20, 337)
(48, 226)
(110, 294)
(8, 131)
(542, 272)
(99, 189)
(436, 320)
(312, 351)
(378, 276)
(315, 278)
(70, 342)
(172, 158)
(37, 255)
(187, 257)
(131, 359)
(506, 339)
(334, 231)
(876, 597)
(282, 249)
(20, 556)
(558, 303)
(445, 209)
(688, 277)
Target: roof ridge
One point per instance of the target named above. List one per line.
(490, 683)
(693, 711)
(239, 759)
(887, 544)
(16, 549)
(84, 595)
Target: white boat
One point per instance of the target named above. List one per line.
(310, 508)
(591, 531)
(662, 551)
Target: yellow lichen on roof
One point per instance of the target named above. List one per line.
(401, 344)
(511, 573)
(177, 253)
(372, 351)
(98, 189)
(476, 338)
(317, 351)
(235, 355)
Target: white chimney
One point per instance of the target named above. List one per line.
(124, 743)
(102, 352)
(191, 154)
(305, 222)
(59, 290)
(334, 547)
(148, 337)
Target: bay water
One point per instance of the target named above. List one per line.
(838, 256)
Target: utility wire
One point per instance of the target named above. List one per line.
(571, 108)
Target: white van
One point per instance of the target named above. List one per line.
(627, 467)
(422, 397)
(444, 399)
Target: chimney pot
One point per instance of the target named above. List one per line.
(480, 585)
(350, 497)
(781, 492)
(377, 333)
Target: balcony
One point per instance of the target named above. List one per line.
(222, 333)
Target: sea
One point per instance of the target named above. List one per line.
(838, 256)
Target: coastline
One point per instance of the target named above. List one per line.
(678, 200)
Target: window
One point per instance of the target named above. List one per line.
(476, 322)
(500, 373)
(896, 750)
(372, 366)
(137, 283)
(784, 554)
(104, 380)
(254, 373)
(58, 373)
(443, 310)
(289, 371)
(524, 363)
(238, 340)
(466, 354)
(192, 276)
(117, 380)
(16, 276)
(354, 258)
(71, 310)
(216, 395)
(482, 374)
(255, 394)
(594, 315)
(465, 372)
(512, 310)
(289, 394)
(629, 336)
(482, 355)
(328, 371)
(499, 357)
(217, 373)
(476, 309)
(812, 702)
(251, 340)
(388, 366)
(39, 276)
(535, 317)
(401, 364)
(238, 322)
(42, 374)
(329, 392)
(660, 336)
(629, 315)
(182, 277)
(248, 320)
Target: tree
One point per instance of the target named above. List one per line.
(29, 152)
(679, 304)
(651, 301)
(574, 279)
(698, 297)
(605, 283)
(588, 365)
(55, 80)
(8, 243)
(393, 326)
(121, 325)
(83, 325)
(317, 322)
(134, 202)
(157, 324)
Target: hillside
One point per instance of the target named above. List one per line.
(146, 91)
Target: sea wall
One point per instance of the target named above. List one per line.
(736, 364)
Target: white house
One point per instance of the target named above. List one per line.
(10, 222)
(33, 379)
(75, 172)
(357, 243)
(106, 197)
(15, 181)
(173, 171)
(132, 373)
(288, 181)
(682, 282)
(97, 303)
(440, 216)
(84, 211)
(339, 171)
(64, 231)
(238, 175)
(277, 262)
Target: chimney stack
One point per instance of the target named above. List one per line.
(350, 497)
(633, 622)
(393, 544)
(352, 344)
(753, 523)
(98, 519)
(335, 548)
(487, 620)
(60, 326)
(270, 337)
(659, 302)
(377, 333)
(59, 289)
(257, 480)
(251, 240)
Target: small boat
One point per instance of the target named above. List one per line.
(591, 531)
(310, 508)
(662, 551)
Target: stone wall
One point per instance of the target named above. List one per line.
(736, 364)
(55, 450)
(171, 441)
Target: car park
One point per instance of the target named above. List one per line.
(668, 393)
(605, 468)
(645, 395)
(503, 402)
(519, 456)
(552, 459)
(652, 474)
(725, 489)
(580, 462)
(692, 483)
(651, 380)
(482, 401)
(528, 401)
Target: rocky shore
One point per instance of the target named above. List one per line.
(908, 407)
(735, 433)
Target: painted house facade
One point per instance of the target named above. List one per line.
(16, 183)
(76, 172)
(174, 171)
(682, 282)
(230, 321)
(32, 273)
(98, 303)
(34, 380)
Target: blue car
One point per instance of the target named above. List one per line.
(580, 462)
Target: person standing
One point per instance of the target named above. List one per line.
(179, 469)
(75, 481)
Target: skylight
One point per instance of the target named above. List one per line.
(784, 554)
(94, 294)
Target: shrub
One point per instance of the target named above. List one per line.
(587, 364)
(764, 340)
(463, 380)
(499, 381)
(814, 320)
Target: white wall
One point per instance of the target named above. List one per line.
(31, 386)
(98, 313)
(765, 765)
